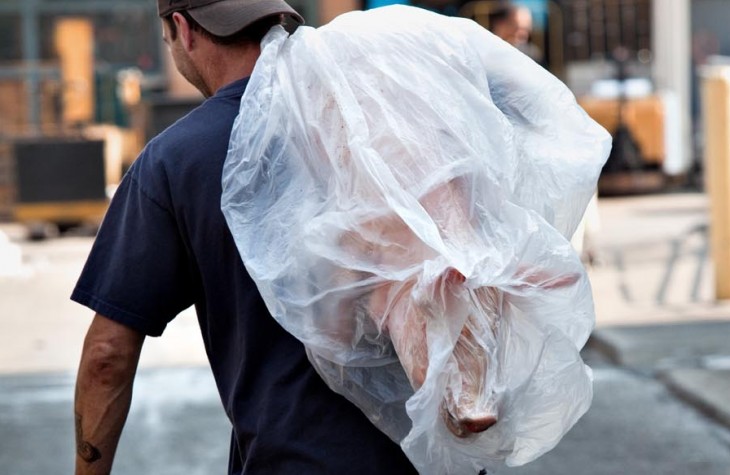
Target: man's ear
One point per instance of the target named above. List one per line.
(184, 31)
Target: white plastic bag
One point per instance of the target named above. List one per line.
(402, 187)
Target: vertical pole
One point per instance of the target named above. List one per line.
(31, 56)
(716, 118)
(671, 39)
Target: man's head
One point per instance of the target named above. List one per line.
(224, 18)
(512, 23)
(202, 33)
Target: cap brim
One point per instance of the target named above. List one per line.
(228, 17)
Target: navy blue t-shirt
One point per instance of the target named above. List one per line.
(163, 246)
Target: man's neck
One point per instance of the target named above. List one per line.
(222, 65)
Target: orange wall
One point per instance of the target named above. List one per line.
(75, 46)
(329, 9)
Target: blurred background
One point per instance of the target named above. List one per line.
(84, 84)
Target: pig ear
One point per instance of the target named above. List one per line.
(453, 276)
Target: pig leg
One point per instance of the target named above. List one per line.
(464, 408)
(467, 407)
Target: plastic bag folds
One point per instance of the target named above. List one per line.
(402, 187)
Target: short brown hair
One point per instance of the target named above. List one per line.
(252, 34)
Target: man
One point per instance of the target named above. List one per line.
(512, 23)
(164, 245)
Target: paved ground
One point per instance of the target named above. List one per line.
(636, 426)
(661, 355)
(653, 261)
(176, 425)
(41, 330)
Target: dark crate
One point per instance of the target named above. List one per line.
(59, 170)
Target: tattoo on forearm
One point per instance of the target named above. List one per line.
(84, 449)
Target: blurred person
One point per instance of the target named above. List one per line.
(513, 23)
(164, 245)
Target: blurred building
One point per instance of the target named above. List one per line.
(59, 59)
(97, 69)
(60, 63)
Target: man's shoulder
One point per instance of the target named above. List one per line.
(210, 121)
(202, 134)
(206, 126)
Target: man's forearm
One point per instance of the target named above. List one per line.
(100, 415)
(103, 394)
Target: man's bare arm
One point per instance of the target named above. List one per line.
(104, 392)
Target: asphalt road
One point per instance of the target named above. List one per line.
(635, 426)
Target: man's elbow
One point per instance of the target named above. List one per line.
(110, 354)
(107, 364)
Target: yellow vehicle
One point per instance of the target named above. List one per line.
(60, 182)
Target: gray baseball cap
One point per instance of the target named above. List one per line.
(226, 17)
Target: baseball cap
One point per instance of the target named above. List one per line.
(226, 17)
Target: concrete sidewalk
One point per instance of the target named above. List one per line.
(654, 293)
(692, 359)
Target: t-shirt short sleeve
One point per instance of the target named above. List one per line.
(138, 272)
